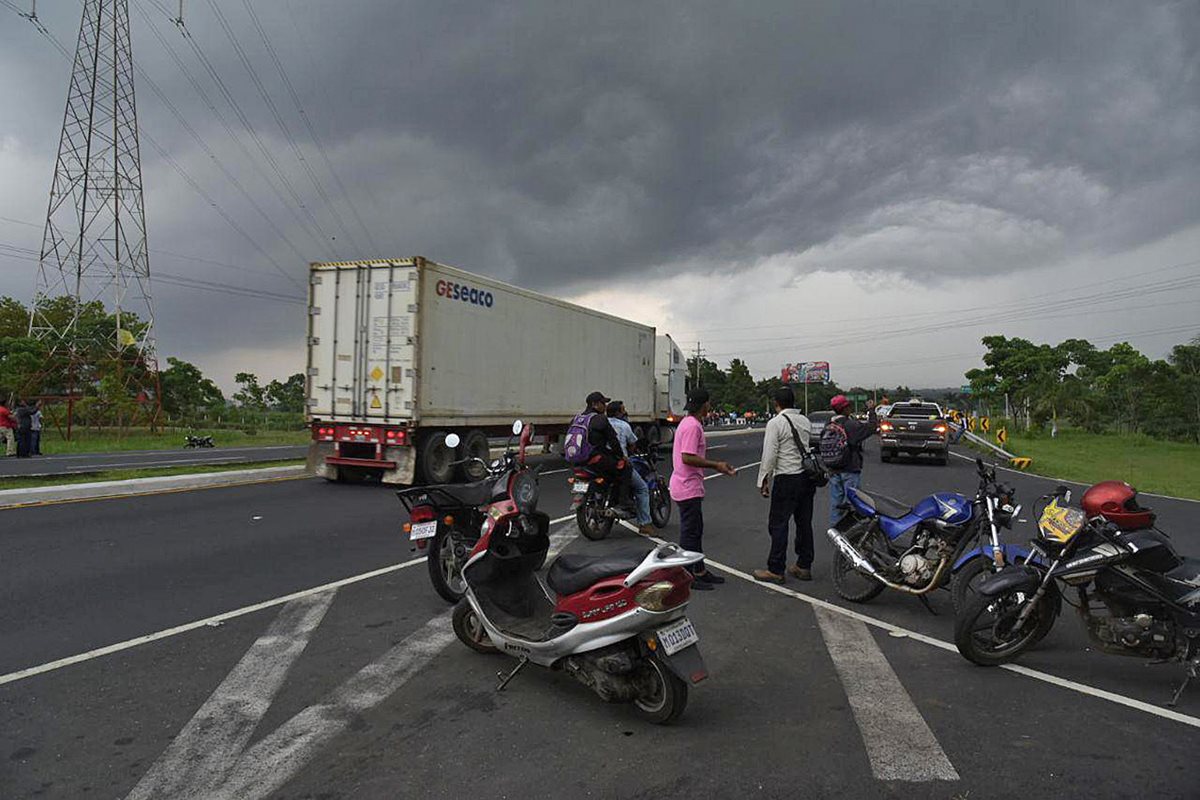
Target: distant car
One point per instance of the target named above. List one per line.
(913, 428)
(819, 419)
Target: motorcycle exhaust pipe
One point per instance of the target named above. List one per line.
(860, 563)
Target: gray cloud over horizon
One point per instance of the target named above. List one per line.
(567, 147)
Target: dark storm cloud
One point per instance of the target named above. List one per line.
(559, 145)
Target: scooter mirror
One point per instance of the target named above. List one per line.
(452, 441)
(517, 427)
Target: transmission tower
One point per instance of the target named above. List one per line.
(94, 243)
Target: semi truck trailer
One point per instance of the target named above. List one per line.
(403, 352)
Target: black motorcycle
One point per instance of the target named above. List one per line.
(446, 520)
(1136, 595)
(593, 496)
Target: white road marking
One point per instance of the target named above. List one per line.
(50, 666)
(201, 756)
(238, 774)
(899, 743)
(1082, 688)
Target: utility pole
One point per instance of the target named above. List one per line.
(696, 370)
(94, 243)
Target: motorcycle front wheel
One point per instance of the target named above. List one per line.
(445, 564)
(591, 523)
(660, 505)
(470, 630)
(985, 631)
(964, 582)
(665, 695)
(849, 582)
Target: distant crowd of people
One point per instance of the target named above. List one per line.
(21, 428)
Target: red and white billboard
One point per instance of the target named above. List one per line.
(806, 372)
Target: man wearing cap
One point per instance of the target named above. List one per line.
(849, 475)
(687, 482)
(608, 456)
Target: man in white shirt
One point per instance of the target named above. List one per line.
(791, 491)
(627, 438)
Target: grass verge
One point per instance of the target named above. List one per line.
(89, 441)
(30, 482)
(1152, 465)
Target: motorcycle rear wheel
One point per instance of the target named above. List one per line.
(660, 506)
(469, 629)
(982, 627)
(667, 696)
(849, 582)
(591, 524)
(445, 569)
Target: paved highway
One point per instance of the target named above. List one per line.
(142, 459)
(355, 688)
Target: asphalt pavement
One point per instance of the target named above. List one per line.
(280, 641)
(145, 459)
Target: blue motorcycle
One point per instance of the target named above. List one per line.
(939, 542)
(646, 465)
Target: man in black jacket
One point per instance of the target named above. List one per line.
(850, 474)
(607, 456)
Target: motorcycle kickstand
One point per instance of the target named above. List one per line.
(504, 679)
(1179, 692)
(925, 602)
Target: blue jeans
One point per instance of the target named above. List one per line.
(839, 482)
(641, 497)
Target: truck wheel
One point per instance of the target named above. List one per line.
(434, 459)
(654, 436)
(475, 445)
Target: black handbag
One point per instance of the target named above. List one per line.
(811, 464)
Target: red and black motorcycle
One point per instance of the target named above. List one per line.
(447, 520)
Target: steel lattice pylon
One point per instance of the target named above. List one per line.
(94, 244)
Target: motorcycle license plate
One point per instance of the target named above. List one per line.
(423, 530)
(678, 636)
(580, 487)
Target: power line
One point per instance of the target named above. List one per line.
(287, 133)
(287, 82)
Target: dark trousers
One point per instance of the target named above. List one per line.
(35, 443)
(691, 528)
(24, 442)
(791, 499)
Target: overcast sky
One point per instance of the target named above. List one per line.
(876, 184)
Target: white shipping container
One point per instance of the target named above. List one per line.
(430, 348)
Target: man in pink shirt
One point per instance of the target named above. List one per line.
(687, 481)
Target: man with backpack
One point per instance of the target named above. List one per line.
(842, 451)
(785, 443)
(592, 442)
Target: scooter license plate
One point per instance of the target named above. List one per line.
(423, 530)
(678, 636)
(580, 487)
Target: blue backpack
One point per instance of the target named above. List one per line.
(577, 449)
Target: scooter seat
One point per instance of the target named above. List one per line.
(574, 572)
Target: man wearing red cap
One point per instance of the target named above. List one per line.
(845, 471)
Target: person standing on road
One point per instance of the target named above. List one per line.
(848, 473)
(24, 417)
(687, 482)
(641, 492)
(35, 432)
(8, 430)
(791, 492)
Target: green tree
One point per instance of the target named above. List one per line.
(185, 390)
(1185, 358)
(249, 394)
(287, 396)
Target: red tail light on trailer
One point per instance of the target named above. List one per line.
(323, 433)
(395, 436)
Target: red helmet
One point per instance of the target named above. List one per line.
(839, 402)
(1116, 501)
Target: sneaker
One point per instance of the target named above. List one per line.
(646, 530)
(701, 586)
(800, 573)
(766, 576)
(708, 576)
